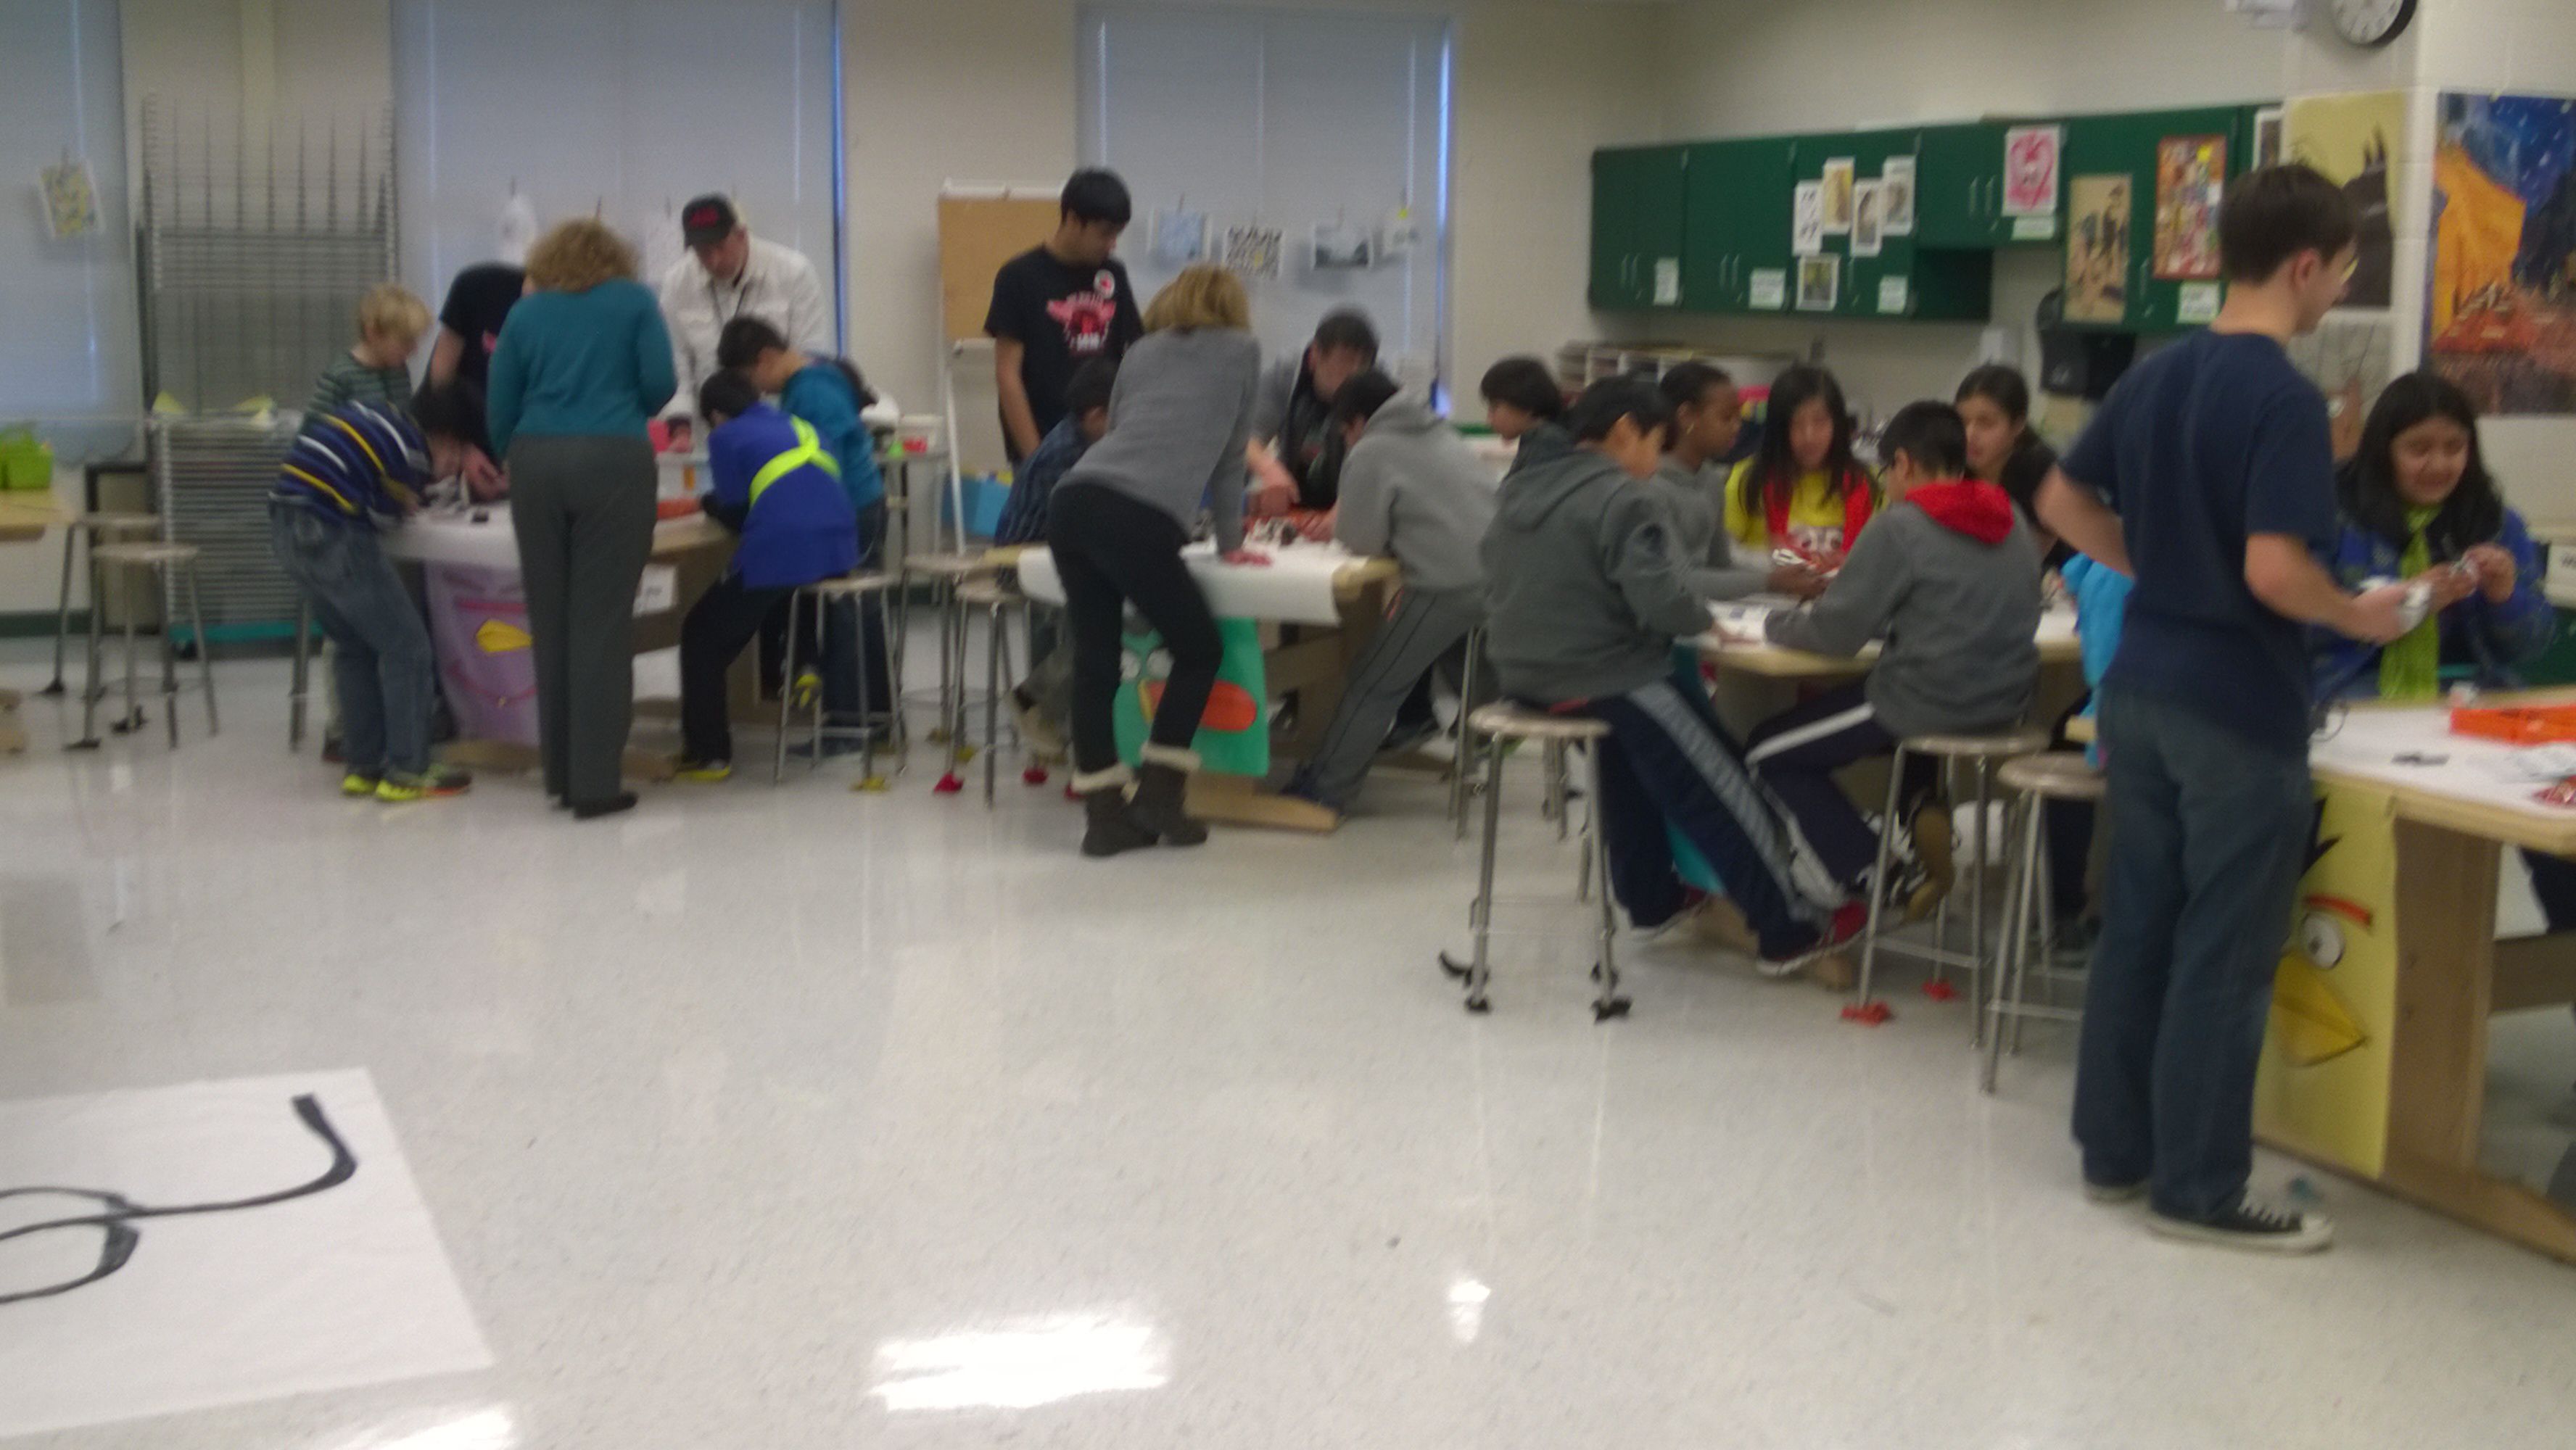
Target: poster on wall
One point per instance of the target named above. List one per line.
(1837, 183)
(71, 201)
(1252, 251)
(1869, 219)
(2097, 250)
(2030, 169)
(2349, 358)
(1807, 220)
(2502, 316)
(1896, 196)
(2191, 180)
(2349, 139)
(2270, 144)
(2322, 1087)
(1180, 237)
(1819, 283)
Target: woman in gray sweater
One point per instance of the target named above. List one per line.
(1178, 418)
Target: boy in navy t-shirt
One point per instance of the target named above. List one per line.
(2208, 477)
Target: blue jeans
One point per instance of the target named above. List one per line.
(2209, 836)
(380, 655)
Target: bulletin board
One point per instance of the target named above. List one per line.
(978, 232)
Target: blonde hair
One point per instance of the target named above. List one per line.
(1204, 295)
(392, 311)
(578, 255)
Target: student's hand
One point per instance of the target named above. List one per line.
(1318, 527)
(2496, 572)
(679, 431)
(1252, 557)
(1271, 498)
(483, 477)
(2375, 617)
(1797, 581)
(2449, 585)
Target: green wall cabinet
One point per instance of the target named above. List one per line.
(1909, 280)
(2127, 144)
(1735, 229)
(1637, 206)
(1959, 185)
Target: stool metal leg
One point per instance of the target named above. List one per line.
(822, 622)
(867, 716)
(997, 620)
(63, 609)
(2012, 969)
(205, 651)
(97, 651)
(1480, 916)
(2047, 922)
(296, 693)
(1859, 1010)
(787, 689)
(169, 659)
(1609, 1004)
(133, 710)
(1461, 756)
(1977, 905)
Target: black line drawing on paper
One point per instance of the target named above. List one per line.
(117, 1214)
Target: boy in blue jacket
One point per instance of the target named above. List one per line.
(829, 394)
(780, 488)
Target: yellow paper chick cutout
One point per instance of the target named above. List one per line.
(497, 638)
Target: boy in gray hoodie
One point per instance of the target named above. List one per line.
(1412, 488)
(1584, 599)
(1950, 576)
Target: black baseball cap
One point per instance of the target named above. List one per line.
(708, 219)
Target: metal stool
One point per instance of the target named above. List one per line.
(83, 532)
(299, 684)
(1499, 724)
(2037, 779)
(819, 596)
(166, 562)
(996, 601)
(1984, 751)
(943, 573)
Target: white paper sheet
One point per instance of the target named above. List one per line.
(344, 1286)
(1295, 587)
(2368, 742)
(1746, 622)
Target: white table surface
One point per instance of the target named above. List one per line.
(1295, 587)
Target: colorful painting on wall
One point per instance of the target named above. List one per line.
(2191, 180)
(2350, 139)
(2031, 156)
(2501, 315)
(2350, 359)
(2097, 250)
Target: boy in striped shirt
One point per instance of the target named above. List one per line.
(356, 470)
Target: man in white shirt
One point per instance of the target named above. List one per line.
(728, 274)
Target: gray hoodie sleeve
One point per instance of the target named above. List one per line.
(1225, 485)
(1857, 606)
(1637, 553)
(1277, 384)
(1364, 520)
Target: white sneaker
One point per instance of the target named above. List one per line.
(2254, 1227)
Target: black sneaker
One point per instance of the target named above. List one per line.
(2254, 1227)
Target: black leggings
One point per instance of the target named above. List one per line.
(1112, 551)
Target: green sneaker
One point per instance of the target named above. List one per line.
(705, 772)
(356, 783)
(431, 784)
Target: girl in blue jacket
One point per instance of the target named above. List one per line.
(2417, 502)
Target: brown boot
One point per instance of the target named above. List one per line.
(1933, 850)
(1162, 789)
(1111, 830)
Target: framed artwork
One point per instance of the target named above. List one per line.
(2031, 157)
(2502, 251)
(2191, 180)
(2270, 137)
(2349, 140)
(1896, 196)
(1807, 220)
(2097, 249)
(1819, 283)
(1838, 182)
(1869, 218)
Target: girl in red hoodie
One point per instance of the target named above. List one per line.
(1948, 577)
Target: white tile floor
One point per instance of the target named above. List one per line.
(789, 1118)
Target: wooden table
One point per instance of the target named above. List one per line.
(2375, 1065)
(1331, 629)
(1732, 646)
(24, 519)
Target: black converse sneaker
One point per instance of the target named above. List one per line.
(2253, 1226)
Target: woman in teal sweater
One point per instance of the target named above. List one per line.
(582, 363)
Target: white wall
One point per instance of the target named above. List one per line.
(1754, 67)
(983, 91)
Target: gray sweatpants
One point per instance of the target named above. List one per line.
(1424, 627)
(583, 508)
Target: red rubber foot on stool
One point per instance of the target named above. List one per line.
(1034, 775)
(1071, 794)
(1940, 991)
(949, 784)
(1867, 1014)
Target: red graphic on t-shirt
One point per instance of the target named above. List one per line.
(1086, 316)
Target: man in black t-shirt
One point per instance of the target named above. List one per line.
(1060, 305)
(469, 328)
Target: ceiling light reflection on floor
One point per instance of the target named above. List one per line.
(1467, 1308)
(1028, 1363)
(489, 1429)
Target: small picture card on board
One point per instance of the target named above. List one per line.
(2031, 156)
(1869, 219)
(1769, 288)
(1819, 283)
(1807, 220)
(1838, 182)
(1896, 196)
